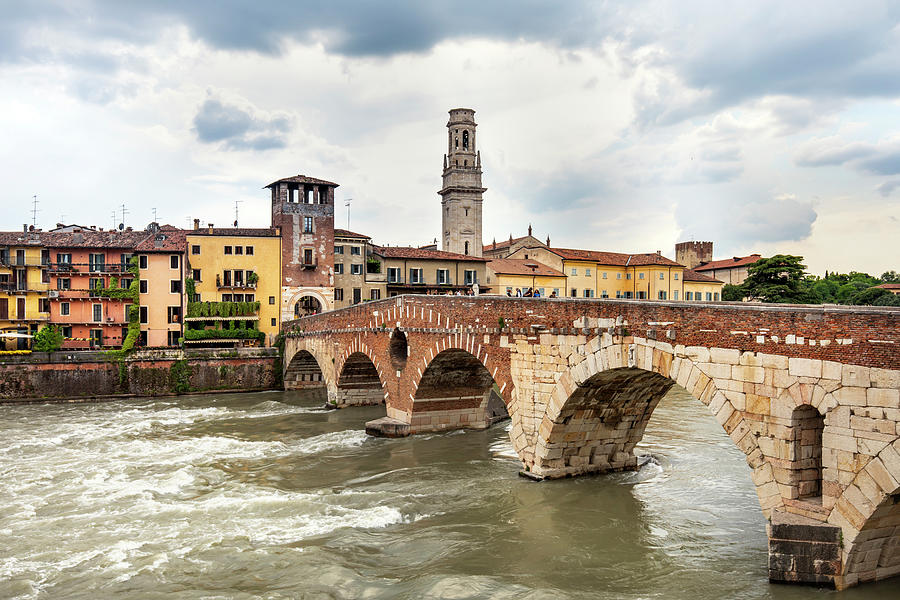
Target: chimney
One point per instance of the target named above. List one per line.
(548, 241)
(494, 246)
(659, 252)
(24, 227)
(128, 229)
(210, 228)
(196, 224)
(58, 225)
(529, 229)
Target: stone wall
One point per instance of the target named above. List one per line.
(72, 375)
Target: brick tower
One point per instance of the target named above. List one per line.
(692, 254)
(461, 193)
(303, 207)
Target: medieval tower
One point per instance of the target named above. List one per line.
(461, 193)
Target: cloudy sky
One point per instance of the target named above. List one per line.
(762, 126)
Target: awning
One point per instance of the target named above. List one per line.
(15, 335)
(250, 318)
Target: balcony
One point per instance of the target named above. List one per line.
(87, 268)
(79, 294)
(234, 285)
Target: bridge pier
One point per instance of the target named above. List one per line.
(804, 551)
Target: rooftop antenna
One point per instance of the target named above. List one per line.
(236, 202)
(34, 210)
(154, 215)
(114, 220)
(347, 204)
(124, 212)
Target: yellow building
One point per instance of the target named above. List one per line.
(240, 267)
(358, 276)
(699, 287)
(24, 285)
(512, 277)
(594, 274)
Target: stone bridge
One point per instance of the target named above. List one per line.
(809, 394)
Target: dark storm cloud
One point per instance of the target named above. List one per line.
(237, 128)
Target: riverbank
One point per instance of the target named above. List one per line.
(97, 376)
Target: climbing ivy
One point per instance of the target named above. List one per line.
(180, 377)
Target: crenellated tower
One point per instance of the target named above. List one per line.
(461, 193)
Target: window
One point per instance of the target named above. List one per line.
(574, 293)
(64, 259)
(338, 249)
(239, 250)
(618, 276)
(142, 261)
(142, 286)
(716, 296)
(709, 296)
(227, 298)
(416, 276)
(95, 283)
(45, 276)
(238, 278)
(195, 275)
(66, 331)
(97, 314)
(689, 295)
(339, 268)
(604, 294)
(355, 251)
(44, 305)
(175, 286)
(308, 256)
(274, 322)
(509, 291)
(64, 308)
(466, 249)
(470, 277)
(604, 274)
(443, 276)
(307, 224)
(227, 249)
(588, 293)
(574, 271)
(142, 310)
(662, 276)
(248, 251)
(393, 274)
(555, 291)
(356, 269)
(338, 294)
(675, 295)
(675, 276)
(618, 293)
(96, 262)
(272, 300)
(357, 295)
(642, 295)
(174, 314)
(375, 294)
(63, 283)
(195, 249)
(249, 297)
(661, 296)
(173, 261)
(45, 257)
(629, 295)
(627, 275)
(640, 275)
(587, 272)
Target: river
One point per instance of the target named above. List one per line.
(266, 495)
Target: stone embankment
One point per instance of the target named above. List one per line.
(75, 376)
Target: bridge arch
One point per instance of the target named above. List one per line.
(456, 390)
(359, 381)
(599, 409)
(303, 371)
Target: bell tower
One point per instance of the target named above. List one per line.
(461, 193)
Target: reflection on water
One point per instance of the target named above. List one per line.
(267, 495)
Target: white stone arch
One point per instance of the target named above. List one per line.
(318, 349)
(297, 296)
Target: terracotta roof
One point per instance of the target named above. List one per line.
(519, 266)
(20, 238)
(303, 179)
(94, 239)
(503, 244)
(167, 239)
(729, 263)
(349, 234)
(889, 286)
(236, 231)
(691, 275)
(422, 254)
(615, 258)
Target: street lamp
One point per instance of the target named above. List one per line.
(533, 268)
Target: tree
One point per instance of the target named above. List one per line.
(732, 293)
(780, 278)
(890, 277)
(48, 339)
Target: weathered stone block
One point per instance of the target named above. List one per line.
(805, 367)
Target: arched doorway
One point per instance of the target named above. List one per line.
(307, 305)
